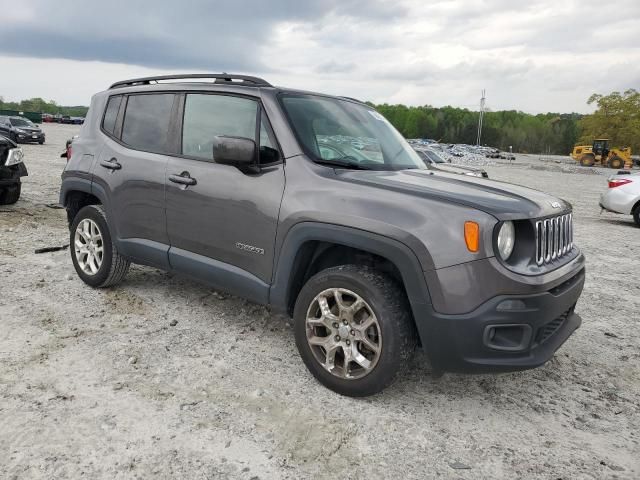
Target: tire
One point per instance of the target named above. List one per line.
(10, 195)
(616, 162)
(41, 142)
(392, 330)
(113, 267)
(587, 160)
(636, 214)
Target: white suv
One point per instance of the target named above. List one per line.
(623, 195)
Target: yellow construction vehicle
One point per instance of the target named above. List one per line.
(599, 153)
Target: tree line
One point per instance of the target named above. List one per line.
(617, 117)
(547, 133)
(40, 105)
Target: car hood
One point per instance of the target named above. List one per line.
(7, 142)
(30, 129)
(505, 201)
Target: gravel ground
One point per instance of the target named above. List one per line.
(106, 384)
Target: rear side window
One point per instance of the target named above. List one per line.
(206, 116)
(146, 122)
(111, 114)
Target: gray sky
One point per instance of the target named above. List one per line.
(535, 56)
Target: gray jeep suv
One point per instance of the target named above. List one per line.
(316, 206)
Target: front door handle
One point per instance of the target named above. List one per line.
(111, 164)
(183, 179)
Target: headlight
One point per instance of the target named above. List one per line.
(15, 157)
(19, 130)
(506, 240)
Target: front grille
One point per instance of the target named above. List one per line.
(548, 329)
(554, 238)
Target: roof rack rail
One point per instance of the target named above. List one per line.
(244, 80)
(353, 99)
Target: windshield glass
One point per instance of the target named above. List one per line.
(21, 122)
(340, 131)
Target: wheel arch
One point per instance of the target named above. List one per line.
(76, 193)
(311, 246)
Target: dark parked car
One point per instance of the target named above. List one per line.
(11, 170)
(434, 161)
(21, 130)
(369, 251)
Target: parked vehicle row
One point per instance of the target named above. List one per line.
(435, 161)
(48, 118)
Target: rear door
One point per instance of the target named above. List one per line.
(131, 171)
(222, 228)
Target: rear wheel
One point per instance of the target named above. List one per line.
(587, 160)
(616, 162)
(94, 255)
(10, 195)
(353, 329)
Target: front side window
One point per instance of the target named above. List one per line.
(208, 116)
(146, 121)
(351, 134)
(111, 114)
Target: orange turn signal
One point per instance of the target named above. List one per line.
(472, 236)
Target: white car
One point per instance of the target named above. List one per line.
(623, 195)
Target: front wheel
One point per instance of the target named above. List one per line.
(10, 195)
(94, 255)
(354, 329)
(636, 215)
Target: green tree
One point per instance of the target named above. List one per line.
(616, 118)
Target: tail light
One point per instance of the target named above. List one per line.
(617, 182)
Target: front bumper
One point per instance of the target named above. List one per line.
(30, 137)
(505, 333)
(11, 175)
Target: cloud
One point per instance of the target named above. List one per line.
(537, 56)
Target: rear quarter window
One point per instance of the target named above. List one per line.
(111, 114)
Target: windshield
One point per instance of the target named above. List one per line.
(21, 122)
(348, 134)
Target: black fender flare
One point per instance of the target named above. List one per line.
(85, 185)
(393, 250)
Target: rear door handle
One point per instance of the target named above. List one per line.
(111, 164)
(183, 179)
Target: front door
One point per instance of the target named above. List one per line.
(222, 226)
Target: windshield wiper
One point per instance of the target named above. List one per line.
(339, 162)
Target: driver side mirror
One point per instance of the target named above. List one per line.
(239, 152)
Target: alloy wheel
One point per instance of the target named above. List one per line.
(89, 246)
(343, 333)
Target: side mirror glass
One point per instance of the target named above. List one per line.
(237, 151)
